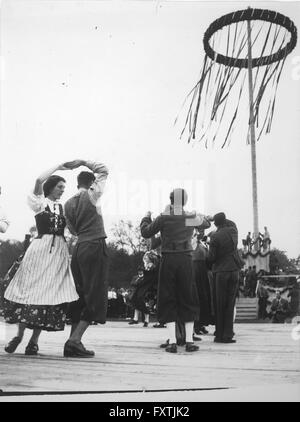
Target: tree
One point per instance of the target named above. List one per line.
(128, 237)
(122, 266)
(126, 250)
(10, 250)
(280, 260)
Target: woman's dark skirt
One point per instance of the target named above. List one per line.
(202, 282)
(44, 317)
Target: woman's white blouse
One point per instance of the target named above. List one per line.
(38, 203)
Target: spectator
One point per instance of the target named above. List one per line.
(280, 309)
(252, 281)
(262, 295)
(294, 294)
(247, 281)
(249, 241)
(120, 307)
(136, 301)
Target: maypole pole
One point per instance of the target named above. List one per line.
(252, 138)
(228, 54)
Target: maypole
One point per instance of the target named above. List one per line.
(229, 43)
(252, 139)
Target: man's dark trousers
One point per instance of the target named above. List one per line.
(90, 271)
(226, 287)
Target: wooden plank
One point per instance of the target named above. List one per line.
(129, 358)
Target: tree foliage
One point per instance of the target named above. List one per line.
(128, 237)
(125, 248)
(10, 250)
(280, 261)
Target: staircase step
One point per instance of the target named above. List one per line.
(246, 307)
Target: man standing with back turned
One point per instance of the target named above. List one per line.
(89, 260)
(177, 291)
(223, 256)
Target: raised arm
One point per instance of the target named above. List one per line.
(205, 221)
(200, 221)
(101, 173)
(38, 187)
(148, 227)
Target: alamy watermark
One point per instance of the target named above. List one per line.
(135, 197)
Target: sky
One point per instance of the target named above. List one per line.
(105, 80)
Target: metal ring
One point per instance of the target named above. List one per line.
(248, 15)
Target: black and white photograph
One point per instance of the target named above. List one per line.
(149, 208)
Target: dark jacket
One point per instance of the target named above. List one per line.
(176, 230)
(222, 254)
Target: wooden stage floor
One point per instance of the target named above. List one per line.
(130, 366)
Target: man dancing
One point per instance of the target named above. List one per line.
(223, 256)
(177, 292)
(90, 260)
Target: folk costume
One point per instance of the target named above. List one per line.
(40, 291)
(177, 291)
(145, 288)
(203, 287)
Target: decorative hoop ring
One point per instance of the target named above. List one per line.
(248, 15)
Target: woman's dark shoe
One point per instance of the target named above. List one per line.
(159, 326)
(77, 350)
(12, 345)
(171, 348)
(89, 352)
(31, 349)
(145, 324)
(191, 347)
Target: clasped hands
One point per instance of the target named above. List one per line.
(71, 165)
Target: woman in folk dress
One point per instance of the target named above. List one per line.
(38, 295)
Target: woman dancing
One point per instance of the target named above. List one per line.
(38, 295)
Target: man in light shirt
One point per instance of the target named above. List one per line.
(4, 223)
(90, 259)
